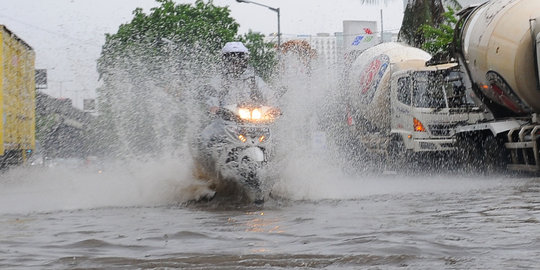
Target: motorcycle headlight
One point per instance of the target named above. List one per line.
(244, 113)
(256, 114)
(247, 114)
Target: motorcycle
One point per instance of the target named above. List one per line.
(234, 150)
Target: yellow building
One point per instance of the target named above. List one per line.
(17, 97)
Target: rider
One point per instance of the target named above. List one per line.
(238, 83)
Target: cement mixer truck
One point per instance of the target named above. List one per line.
(497, 46)
(397, 106)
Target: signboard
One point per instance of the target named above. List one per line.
(41, 79)
(360, 35)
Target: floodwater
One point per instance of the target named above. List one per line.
(140, 216)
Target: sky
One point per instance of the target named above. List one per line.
(67, 35)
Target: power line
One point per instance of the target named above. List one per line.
(46, 30)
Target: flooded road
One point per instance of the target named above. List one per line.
(139, 221)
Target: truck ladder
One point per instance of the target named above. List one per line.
(524, 148)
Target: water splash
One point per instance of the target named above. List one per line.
(116, 184)
(151, 115)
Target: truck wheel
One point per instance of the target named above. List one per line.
(398, 157)
(482, 152)
(467, 152)
(495, 155)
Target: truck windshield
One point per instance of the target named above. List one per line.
(434, 90)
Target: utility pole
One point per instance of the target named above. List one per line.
(382, 27)
(273, 9)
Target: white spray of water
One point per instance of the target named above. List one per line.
(310, 166)
(157, 182)
(306, 162)
(306, 166)
(315, 181)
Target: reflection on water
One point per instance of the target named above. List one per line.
(262, 224)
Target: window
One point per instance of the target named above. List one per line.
(455, 91)
(404, 90)
(427, 93)
(439, 90)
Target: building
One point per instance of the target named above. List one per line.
(331, 48)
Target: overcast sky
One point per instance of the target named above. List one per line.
(67, 35)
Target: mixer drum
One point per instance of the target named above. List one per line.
(498, 47)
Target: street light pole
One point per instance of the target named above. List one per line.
(273, 9)
(278, 30)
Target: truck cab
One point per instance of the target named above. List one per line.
(427, 104)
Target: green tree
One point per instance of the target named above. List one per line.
(198, 28)
(151, 65)
(418, 13)
(262, 55)
(439, 39)
(151, 62)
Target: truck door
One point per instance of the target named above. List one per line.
(400, 101)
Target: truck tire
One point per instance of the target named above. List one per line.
(482, 153)
(496, 156)
(398, 157)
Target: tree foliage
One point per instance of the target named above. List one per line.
(151, 64)
(262, 55)
(418, 13)
(422, 18)
(439, 39)
(155, 59)
(201, 27)
(301, 51)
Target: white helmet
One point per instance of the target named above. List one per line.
(234, 47)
